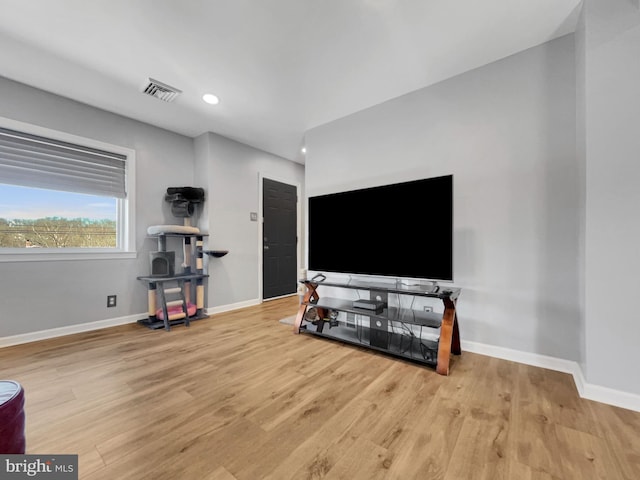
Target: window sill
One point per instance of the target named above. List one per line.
(55, 256)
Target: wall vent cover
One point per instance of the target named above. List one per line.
(161, 90)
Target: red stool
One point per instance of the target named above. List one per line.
(12, 439)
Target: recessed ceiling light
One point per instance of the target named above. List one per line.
(304, 149)
(209, 98)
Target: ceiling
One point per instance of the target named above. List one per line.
(280, 67)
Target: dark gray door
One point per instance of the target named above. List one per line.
(279, 230)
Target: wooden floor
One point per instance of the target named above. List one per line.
(238, 396)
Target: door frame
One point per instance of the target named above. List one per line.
(288, 181)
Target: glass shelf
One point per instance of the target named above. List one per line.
(414, 334)
(432, 291)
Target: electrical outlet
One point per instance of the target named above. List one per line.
(111, 301)
(428, 308)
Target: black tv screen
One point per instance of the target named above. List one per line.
(399, 230)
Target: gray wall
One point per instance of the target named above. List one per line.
(612, 50)
(42, 295)
(581, 157)
(507, 132)
(230, 172)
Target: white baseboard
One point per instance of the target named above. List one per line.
(232, 306)
(586, 390)
(110, 322)
(97, 325)
(611, 396)
(68, 330)
(533, 359)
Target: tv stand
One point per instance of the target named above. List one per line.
(404, 332)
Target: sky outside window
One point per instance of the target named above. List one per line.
(40, 218)
(18, 202)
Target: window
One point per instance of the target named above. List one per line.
(63, 196)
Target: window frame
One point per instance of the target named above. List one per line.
(125, 207)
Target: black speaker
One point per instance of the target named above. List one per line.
(379, 332)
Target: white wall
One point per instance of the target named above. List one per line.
(230, 173)
(612, 193)
(507, 131)
(38, 296)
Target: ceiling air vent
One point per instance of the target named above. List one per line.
(161, 90)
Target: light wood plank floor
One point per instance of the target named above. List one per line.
(238, 396)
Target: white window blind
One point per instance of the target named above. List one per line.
(40, 162)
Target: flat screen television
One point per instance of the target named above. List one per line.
(398, 230)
